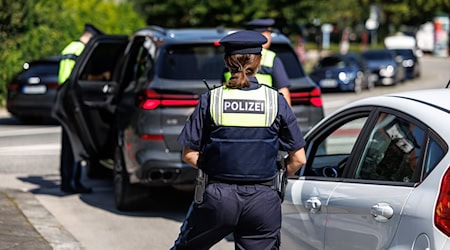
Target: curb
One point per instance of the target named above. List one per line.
(31, 225)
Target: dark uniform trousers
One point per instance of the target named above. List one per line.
(251, 212)
(69, 169)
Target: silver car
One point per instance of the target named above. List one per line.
(377, 177)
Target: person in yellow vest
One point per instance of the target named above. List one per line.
(70, 170)
(272, 71)
(233, 136)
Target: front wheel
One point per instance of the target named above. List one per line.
(127, 196)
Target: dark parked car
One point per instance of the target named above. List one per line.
(410, 62)
(385, 65)
(342, 72)
(131, 122)
(32, 91)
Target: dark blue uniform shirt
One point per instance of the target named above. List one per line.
(279, 75)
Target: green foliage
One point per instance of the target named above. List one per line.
(32, 29)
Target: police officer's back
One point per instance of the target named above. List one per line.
(234, 136)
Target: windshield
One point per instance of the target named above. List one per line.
(39, 69)
(405, 53)
(377, 55)
(331, 62)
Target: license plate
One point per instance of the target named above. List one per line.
(32, 90)
(328, 83)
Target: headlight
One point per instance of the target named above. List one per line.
(408, 63)
(388, 71)
(346, 77)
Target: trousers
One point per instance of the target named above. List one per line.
(70, 170)
(252, 213)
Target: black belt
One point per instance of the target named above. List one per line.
(241, 183)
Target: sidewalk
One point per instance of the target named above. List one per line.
(26, 224)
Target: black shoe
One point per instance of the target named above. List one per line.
(77, 189)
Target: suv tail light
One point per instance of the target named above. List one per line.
(13, 86)
(442, 211)
(152, 100)
(312, 97)
(52, 85)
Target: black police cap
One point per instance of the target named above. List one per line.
(92, 29)
(260, 25)
(243, 42)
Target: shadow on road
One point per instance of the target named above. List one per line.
(161, 202)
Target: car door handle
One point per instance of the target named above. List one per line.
(313, 204)
(382, 212)
(107, 89)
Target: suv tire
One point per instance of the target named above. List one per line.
(126, 195)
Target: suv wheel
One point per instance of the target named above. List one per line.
(126, 195)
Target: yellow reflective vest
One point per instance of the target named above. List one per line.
(244, 108)
(69, 57)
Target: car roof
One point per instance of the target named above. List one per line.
(175, 35)
(428, 105)
(437, 98)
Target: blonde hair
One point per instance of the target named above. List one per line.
(241, 66)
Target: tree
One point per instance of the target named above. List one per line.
(31, 29)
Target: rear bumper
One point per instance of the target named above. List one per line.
(158, 168)
(39, 106)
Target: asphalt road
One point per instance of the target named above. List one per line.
(29, 161)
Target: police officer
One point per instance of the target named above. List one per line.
(272, 71)
(69, 169)
(234, 135)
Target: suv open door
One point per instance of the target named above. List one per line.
(85, 104)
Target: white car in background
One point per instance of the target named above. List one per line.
(425, 37)
(377, 177)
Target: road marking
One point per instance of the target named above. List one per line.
(31, 131)
(36, 149)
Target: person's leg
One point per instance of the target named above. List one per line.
(69, 169)
(208, 223)
(260, 223)
(66, 162)
(76, 181)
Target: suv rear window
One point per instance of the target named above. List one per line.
(192, 62)
(205, 61)
(39, 69)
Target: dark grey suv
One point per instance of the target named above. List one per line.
(130, 122)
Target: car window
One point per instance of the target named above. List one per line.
(102, 63)
(377, 55)
(140, 65)
(39, 69)
(434, 154)
(392, 151)
(329, 155)
(192, 62)
(331, 62)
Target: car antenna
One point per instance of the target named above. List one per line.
(206, 84)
